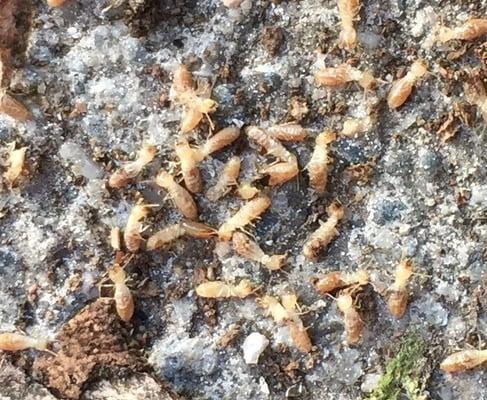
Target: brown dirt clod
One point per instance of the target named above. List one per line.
(94, 340)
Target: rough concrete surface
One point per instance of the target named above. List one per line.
(96, 76)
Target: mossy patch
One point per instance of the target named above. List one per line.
(404, 372)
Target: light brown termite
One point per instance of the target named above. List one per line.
(115, 239)
(274, 308)
(401, 89)
(342, 74)
(179, 195)
(353, 127)
(398, 295)
(189, 160)
(351, 318)
(173, 232)
(289, 132)
(130, 170)
(182, 81)
(463, 360)
(249, 249)
(13, 108)
(319, 163)
(471, 30)
(246, 191)
(270, 144)
(218, 141)
(226, 180)
(476, 94)
(132, 231)
(297, 330)
(281, 172)
(16, 161)
(332, 281)
(124, 302)
(327, 231)
(286, 312)
(348, 10)
(196, 102)
(223, 290)
(244, 216)
(11, 341)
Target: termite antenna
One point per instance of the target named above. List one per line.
(52, 353)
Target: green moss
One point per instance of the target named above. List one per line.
(403, 372)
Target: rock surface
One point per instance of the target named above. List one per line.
(96, 75)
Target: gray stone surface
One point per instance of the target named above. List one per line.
(425, 199)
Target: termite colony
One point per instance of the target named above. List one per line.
(194, 99)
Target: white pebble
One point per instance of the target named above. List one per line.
(253, 346)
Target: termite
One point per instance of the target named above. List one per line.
(351, 318)
(189, 165)
(129, 171)
(318, 165)
(270, 144)
(219, 289)
(196, 102)
(475, 94)
(353, 127)
(11, 341)
(115, 241)
(297, 330)
(463, 360)
(249, 249)
(16, 161)
(13, 108)
(244, 216)
(471, 30)
(289, 132)
(218, 141)
(246, 191)
(342, 74)
(398, 295)
(282, 171)
(226, 180)
(401, 89)
(175, 231)
(338, 280)
(327, 231)
(286, 312)
(274, 308)
(179, 195)
(348, 10)
(182, 82)
(124, 302)
(131, 234)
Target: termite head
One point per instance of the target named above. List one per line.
(362, 277)
(147, 154)
(244, 288)
(140, 211)
(117, 274)
(164, 179)
(208, 106)
(274, 262)
(55, 3)
(403, 272)
(419, 68)
(344, 302)
(367, 81)
(348, 38)
(336, 210)
(325, 138)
